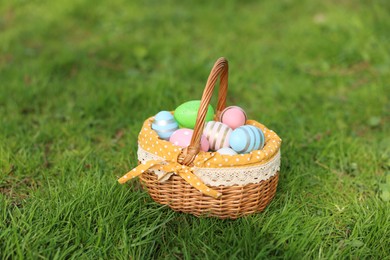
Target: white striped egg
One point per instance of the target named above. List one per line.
(217, 134)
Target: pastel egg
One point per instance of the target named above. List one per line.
(164, 124)
(227, 151)
(246, 138)
(186, 113)
(233, 116)
(217, 134)
(182, 138)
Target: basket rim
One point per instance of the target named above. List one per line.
(227, 176)
(149, 141)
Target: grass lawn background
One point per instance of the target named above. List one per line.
(79, 77)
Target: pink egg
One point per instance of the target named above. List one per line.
(204, 144)
(182, 138)
(233, 116)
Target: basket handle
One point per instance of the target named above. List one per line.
(221, 69)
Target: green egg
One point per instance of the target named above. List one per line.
(186, 113)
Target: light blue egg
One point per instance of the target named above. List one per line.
(226, 151)
(239, 140)
(257, 137)
(262, 139)
(164, 124)
(246, 139)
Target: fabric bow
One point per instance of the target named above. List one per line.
(169, 168)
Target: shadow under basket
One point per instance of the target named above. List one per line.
(236, 201)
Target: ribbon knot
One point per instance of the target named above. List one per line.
(165, 169)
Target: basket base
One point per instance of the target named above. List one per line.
(236, 201)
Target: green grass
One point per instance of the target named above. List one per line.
(77, 79)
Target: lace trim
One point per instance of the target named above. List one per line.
(227, 176)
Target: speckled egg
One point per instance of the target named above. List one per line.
(246, 139)
(186, 113)
(233, 116)
(217, 134)
(182, 138)
(227, 151)
(164, 124)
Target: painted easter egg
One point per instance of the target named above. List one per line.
(182, 138)
(186, 113)
(227, 151)
(164, 124)
(217, 134)
(246, 139)
(233, 116)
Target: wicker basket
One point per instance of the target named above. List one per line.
(233, 190)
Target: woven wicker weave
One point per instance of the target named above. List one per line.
(177, 193)
(235, 202)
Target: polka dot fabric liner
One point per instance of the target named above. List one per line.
(150, 142)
